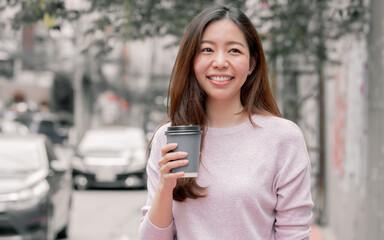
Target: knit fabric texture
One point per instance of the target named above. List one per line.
(258, 185)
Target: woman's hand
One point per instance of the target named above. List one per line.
(166, 163)
(160, 214)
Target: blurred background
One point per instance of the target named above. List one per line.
(71, 66)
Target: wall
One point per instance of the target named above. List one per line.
(354, 102)
(346, 139)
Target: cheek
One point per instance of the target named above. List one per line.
(242, 66)
(198, 65)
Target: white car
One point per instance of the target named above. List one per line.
(35, 189)
(9, 126)
(111, 157)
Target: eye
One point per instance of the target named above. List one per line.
(206, 50)
(234, 50)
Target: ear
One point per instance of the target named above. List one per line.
(252, 65)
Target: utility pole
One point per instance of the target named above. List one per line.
(322, 143)
(79, 116)
(374, 214)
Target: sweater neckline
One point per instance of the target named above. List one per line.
(230, 130)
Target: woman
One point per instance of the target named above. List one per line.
(254, 176)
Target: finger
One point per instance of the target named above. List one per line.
(175, 156)
(175, 175)
(172, 156)
(168, 147)
(166, 168)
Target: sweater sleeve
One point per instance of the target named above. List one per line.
(292, 187)
(147, 230)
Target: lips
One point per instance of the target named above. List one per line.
(220, 80)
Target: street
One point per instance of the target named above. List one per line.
(106, 214)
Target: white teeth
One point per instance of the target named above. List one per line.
(220, 79)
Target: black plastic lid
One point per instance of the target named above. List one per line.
(184, 128)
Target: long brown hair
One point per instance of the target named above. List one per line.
(186, 99)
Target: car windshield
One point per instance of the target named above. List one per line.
(19, 156)
(112, 140)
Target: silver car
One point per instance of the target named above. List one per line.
(111, 157)
(35, 189)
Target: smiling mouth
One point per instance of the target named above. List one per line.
(219, 79)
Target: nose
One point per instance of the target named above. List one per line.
(220, 61)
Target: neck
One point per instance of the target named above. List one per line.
(223, 114)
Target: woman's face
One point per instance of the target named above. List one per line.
(223, 61)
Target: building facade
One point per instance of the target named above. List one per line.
(355, 135)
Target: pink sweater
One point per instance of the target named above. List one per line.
(258, 181)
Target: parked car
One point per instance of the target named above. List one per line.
(9, 126)
(51, 125)
(35, 189)
(111, 157)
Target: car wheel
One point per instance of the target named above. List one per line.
(49, 226)
(63, 233)
(80, 187)
(80, 182)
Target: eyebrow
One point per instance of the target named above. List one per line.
(228, 43)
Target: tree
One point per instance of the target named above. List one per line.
(99, 25)
(306, 30)
(62, 90)
(126, 19)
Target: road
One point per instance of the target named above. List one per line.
(106, 214)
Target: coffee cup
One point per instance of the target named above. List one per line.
(188, 139)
